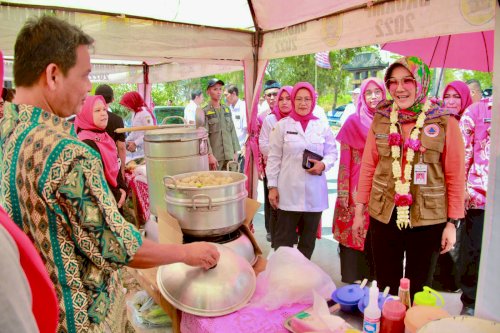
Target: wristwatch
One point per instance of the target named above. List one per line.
(455, 222)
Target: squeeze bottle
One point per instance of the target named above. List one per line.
(371, 320)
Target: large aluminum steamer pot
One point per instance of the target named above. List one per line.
(209, 210)
(170, 151)
(221, 290)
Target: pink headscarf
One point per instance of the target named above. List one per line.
(355, 129)
(84, 122)
(276, 110)
(304, 120)
(133, 100)
(464, 92)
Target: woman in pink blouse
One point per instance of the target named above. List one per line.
(354, 254)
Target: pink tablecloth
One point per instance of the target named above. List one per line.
(246, 320)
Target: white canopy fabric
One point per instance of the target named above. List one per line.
(182, 39)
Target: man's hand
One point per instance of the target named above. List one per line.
(212, 162)
(201, 254)
(317, 168)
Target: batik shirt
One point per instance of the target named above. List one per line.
(475, 125)
(53, 187)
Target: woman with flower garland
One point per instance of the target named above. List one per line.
(412, 179)
(299, 191)
(355, 254)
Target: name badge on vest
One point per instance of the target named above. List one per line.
(420, 174)
(290, 132)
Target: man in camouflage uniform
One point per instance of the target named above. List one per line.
(224, 145)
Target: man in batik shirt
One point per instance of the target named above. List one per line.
(53, 186)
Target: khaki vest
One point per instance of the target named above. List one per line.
(430, 202)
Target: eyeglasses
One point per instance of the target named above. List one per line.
(303, 100)
(269, 95)
(406, 82)
(376, 92)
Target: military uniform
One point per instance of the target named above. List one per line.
(221, 133)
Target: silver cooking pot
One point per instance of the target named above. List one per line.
(210, 210)
(172, 150)
(243, 246)
(215, 292)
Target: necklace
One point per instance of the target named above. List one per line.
(403, 198)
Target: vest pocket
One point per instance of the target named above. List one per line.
(383, 148)
(433, 207)
(432, 156)
(377, 198)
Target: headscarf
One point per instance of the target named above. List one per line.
(464, 92)
(87, 130)
(355, 129)
(304, 120)
(276, 110)
(133, 100)
(421, 73)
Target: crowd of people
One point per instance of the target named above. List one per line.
(411, 168)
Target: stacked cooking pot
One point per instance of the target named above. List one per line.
(211, 213)
(172, 150)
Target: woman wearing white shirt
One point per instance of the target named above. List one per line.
(300, 195)
(142, 117)
(280, 110)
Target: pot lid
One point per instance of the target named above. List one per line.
(175, 133)
(350, 294)
(215, 292)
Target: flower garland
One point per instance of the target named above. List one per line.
(403, 198)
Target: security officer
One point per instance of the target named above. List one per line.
(224, 145)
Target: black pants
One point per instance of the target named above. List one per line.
(447, 273)
(268, 209)
(356, 265)
(285, 230)
(470, 252)
(421, 246)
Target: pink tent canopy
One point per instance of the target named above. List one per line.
(473, 51)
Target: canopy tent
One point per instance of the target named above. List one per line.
(181, 39)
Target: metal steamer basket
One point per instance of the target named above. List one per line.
(207, 210)
(172, 150)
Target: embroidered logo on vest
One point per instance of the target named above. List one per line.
(431, 130)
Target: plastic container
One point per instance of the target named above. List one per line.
(363, 303)
(404, 292)
(419, 315)
(348, 297)
(371, 318)
(428, 297)
(393, 316)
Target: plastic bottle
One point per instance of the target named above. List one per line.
(393, 316)
(371, 320)
(404, 292)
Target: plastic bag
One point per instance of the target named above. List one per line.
(290, 278)
(146, 313)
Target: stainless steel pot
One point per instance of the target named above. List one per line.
(243, 247)
(207, 211)
(215, 292)
(170, 151)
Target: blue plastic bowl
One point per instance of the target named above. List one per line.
(363, 303)
(349, 297)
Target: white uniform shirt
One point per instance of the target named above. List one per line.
(320, 113)
(190, 112)
(141, 118)
(267, 127)
(239, 114)
(298, 190)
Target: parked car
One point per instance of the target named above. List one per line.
(334, 118)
